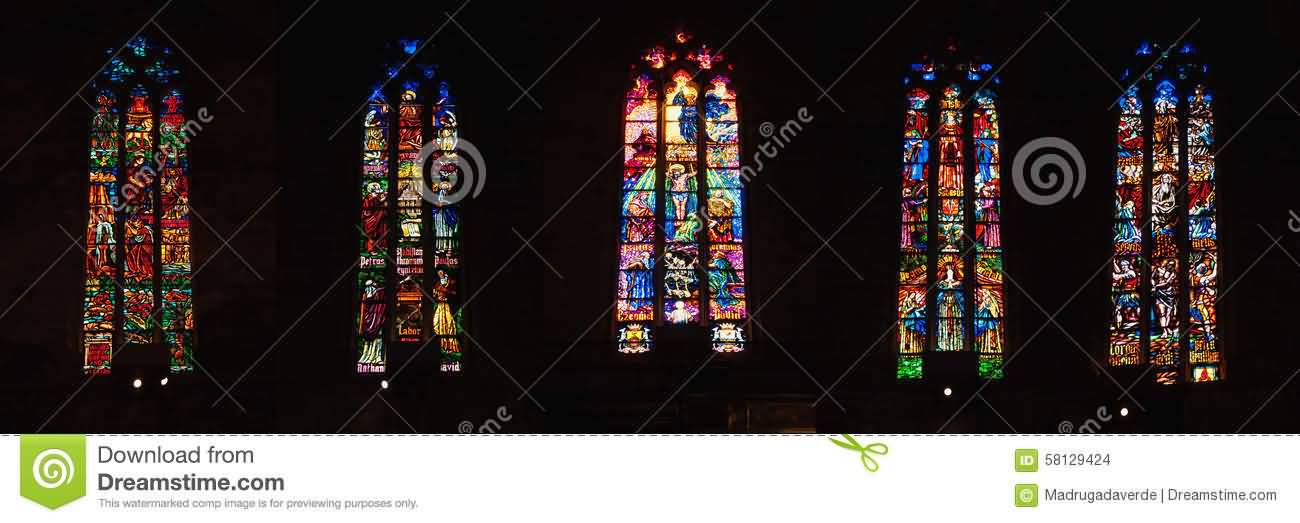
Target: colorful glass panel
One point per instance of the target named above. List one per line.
(951, 297)
(140, 226)
(409, 274)
(100, 303)
(1165, 278)
(681, 119)
(950, 303)
(990, 301)
(408, 319)
(376, 223)
(724, 212)
(446, 233)
(1126, 263)
(177, 320)
(138, 262)
(1166, 324)
(683, 226)
(635, 297)
(1202, 239)
(913, 270)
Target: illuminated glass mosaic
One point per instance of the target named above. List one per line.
(1165, 264)
(409, 269)
(681, 244)
(138, 261)
(950, 274)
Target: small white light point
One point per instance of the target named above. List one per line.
(947, 391)
(163, 382)
(1123, 411)
(383, 384)
(137, 383)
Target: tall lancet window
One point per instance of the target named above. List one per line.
(137, 277)
(682, 217)
(950, 291)
(1164, 282)
(406, 299)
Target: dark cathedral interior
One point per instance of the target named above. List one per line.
(278, 212)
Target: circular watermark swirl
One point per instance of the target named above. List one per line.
(1065, 427)
(465, 427)
(53, 468)
(1057, 165)
(457, 173)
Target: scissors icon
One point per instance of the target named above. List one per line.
(868, 462)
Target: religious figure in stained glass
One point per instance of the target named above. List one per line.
(403, 218)
(138, 258)
(950, 290)
(1166, 265)
(681, 236)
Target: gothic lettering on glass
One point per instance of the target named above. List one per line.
(409, 270)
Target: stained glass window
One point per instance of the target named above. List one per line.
(139, 161)
(913, 270)
(1202, 240)
(950, 279)
(405, 298)
(1126, 305)
(681, 235)
(950, 308)
(372, 276)
(1165, 268)
(989, 308)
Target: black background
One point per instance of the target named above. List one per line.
(549, 167)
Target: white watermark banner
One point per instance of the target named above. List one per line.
(198, 478)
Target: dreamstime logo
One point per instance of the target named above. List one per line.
(456, 173)
(1054, 166)
(1089, 426)
(1294, 222)
(776, 140)
(53, 468)
(491, 426)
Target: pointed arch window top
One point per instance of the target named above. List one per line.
(657, 57)
(154, 61)
(705, 57)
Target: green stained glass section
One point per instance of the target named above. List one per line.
(991, 367)
(910, 368)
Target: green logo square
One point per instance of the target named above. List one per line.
(52, 468)
(1026, 460)
(1027, 495)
